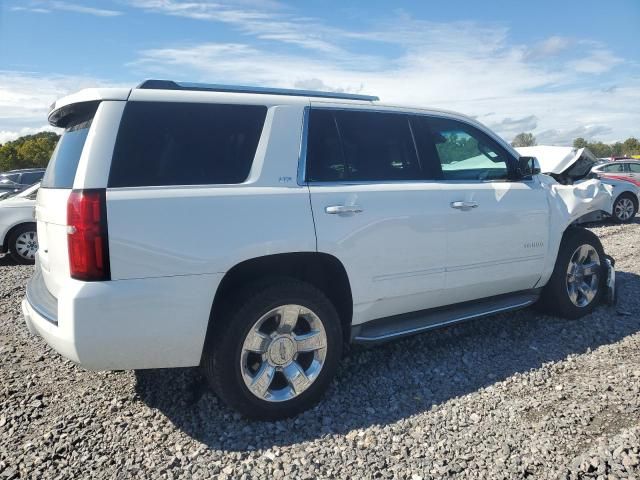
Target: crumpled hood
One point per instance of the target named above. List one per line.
(555, 159)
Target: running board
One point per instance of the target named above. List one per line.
(389, 328)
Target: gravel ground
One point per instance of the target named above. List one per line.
(514, 396)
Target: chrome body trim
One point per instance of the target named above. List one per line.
(302, 156)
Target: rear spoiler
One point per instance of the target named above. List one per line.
(61, 110)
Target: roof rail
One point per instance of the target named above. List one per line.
(171, 85)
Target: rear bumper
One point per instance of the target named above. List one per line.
(127, 324)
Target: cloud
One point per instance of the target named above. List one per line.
(47, 6)
(30, 9)
(512, 126)
(263, 24)
(548, 48)
(566, 137)
(600, 60)
(552, 88)
(25, 99)
(8, 135)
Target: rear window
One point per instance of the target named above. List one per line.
(65, 158)
(167, 143)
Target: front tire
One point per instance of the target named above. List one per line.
(23, 244)
(625, 208)
(275, 351)
(578, 278)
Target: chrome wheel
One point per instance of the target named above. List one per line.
(624, 209)
(27, 245)
(283, 353)
(583, 275)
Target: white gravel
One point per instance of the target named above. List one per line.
(514, 396)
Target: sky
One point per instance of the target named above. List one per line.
(560, 69)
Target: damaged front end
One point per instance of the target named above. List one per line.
(576, 194)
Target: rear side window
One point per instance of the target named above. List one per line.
(348, 145)
(65, 158)
(166, 143)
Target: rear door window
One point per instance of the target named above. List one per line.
(361, 146)
(171, 143)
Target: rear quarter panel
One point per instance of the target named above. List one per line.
(202, 229)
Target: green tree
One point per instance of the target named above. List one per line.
(580, 143)
(631, 146)
(524, 139)
(28, 151)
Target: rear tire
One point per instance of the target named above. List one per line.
(579, 276)
(275, 350)
(23, 244)
(625, 208)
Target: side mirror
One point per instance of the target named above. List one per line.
(528, 166)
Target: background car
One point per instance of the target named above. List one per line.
(18, 235)
(628, 169)
(18, 180)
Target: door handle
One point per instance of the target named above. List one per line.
(464, 206)
(341, 209)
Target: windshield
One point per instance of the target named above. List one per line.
(8, 178)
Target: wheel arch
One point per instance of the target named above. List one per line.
(627, 193)
(322, 270)
(7, 236)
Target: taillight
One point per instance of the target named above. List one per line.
(87, 235)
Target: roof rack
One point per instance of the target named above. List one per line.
(210, 87)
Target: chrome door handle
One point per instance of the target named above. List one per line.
(340, 209)
(464, 206)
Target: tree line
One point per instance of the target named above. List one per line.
(28, 152)
(631, 146)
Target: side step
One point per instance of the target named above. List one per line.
(389, 328)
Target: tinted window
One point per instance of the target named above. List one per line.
(325, 160)
(466, 153)
(360, 146)
(634, 167)
(614, 168)
(30, 178)
(185, 144)
(64, 161)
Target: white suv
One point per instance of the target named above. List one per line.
(257, 232)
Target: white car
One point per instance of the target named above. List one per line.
(18, 236)
(575, 166)
(256, 232)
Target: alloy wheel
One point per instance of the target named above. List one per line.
(27, 245)
(583, 275)
(623, 209)
(283, 353)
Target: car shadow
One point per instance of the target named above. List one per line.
(395, 381)
(7, 261)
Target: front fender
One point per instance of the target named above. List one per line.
(568, 203)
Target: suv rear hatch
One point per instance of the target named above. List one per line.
(57, 184)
